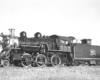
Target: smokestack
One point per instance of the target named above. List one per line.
(12, 32)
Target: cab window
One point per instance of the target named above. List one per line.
(62, 41)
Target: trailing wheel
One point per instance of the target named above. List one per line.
(26, 60)
(5, 63)
(55, 60)
(41, 60)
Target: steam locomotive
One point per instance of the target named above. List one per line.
(47, 50)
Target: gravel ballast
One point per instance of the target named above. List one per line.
(51, 73)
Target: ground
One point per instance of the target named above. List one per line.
(51, 73)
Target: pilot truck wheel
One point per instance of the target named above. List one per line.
(5, 63)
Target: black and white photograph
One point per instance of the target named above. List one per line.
(49, 40)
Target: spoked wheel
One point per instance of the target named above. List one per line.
(41, 60)
(26, 60)
(5, 63)
(55, 60)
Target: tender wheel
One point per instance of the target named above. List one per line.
(41, 60)
(5, 63)
(26, 60)
(55, 60)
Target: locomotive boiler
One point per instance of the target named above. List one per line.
(38, 50)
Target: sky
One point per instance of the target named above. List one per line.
(78, 18)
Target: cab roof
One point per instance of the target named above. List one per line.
(70, 38)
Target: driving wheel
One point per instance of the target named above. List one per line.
(55, 60)
(41, 60)
(26, 60)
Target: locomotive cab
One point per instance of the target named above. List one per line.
(63, 43)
